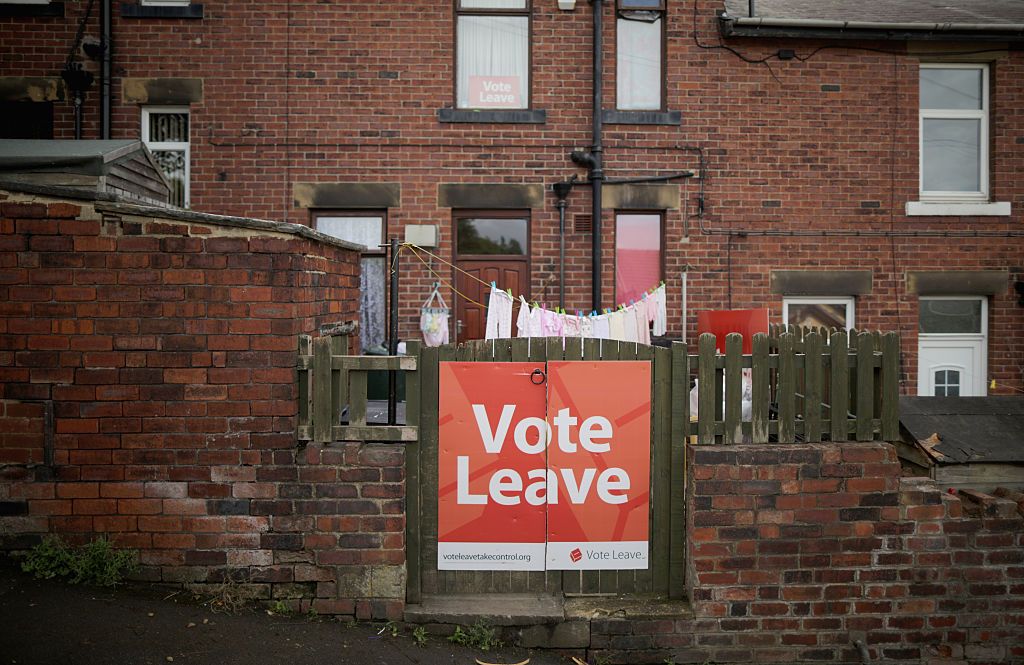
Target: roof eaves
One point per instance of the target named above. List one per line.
(761, 26)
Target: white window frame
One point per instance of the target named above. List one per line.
(166, 3)
(937, 339)
(171, 145)
(981, 114)
(849, 301)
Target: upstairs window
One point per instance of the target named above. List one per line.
(165, 131)
(640, 28)
(954, 132)
(492, 54)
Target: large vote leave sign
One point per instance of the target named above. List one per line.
(544, 466)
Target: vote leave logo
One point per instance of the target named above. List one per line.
(530, 473)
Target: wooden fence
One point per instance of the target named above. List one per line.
(799, 384)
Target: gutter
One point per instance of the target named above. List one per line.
(749, 26)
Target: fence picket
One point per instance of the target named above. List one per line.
(760, 390)
(733, 431)
(813, 362)
(865, 386)
(706, 376)
(787, 389)
(680, 406)
(322, 421)
(840, 386)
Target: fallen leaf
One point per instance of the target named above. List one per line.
(190, 625)
(522, 662)
(170, 659)
(578, 661)
(150, 614)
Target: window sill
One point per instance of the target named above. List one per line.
(151, 11)
(957, 209)
(49, 9)
(503, 116)
(642, 117)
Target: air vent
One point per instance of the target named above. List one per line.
(583, 223)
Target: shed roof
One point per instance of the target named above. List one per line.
(886, 11)
(968, 429)
(86, 157)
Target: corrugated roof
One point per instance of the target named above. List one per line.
(886, 11)
(967, 429)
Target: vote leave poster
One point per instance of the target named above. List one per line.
(495, 92)
(543, 466)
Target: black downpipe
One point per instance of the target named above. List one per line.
(106, 58)
(596, 171)
(393, 334)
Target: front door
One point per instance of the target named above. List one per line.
(490, 246)
(952, 348)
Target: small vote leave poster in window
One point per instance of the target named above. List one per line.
(495, 92)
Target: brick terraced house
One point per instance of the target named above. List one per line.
(854, 164)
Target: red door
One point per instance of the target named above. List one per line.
(490, 246)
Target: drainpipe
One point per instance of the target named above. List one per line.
(106, 45)
(596, 170)
(562, 190)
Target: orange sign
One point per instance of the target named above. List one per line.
(533, 460)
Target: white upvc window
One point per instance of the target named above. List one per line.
(165, 131)
(954, 131)
(819, 311)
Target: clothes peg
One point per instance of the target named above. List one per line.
(494, 285)
(509, 291)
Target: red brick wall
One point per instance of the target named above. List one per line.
(350, 92)
(166, 349)
(797, 551)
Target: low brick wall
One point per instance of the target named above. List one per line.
(798, 553)
(148, 393)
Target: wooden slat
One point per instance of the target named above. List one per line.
(413, 592)
(760, 390)
(445, 578)
(733, 389)
(609, 579)
(865, 386)
(787, 389)
(504, 581)
(680, 408)
(322, 421)
(571, 580)
(706, 389)
(890, 387)
(543, 581)
(357, 398)
(590, 581)
(339, 382)
(813, 371)
(428, 371)
(373, 433)
(839, 386)
(380, 363)
(661, 470)
(642, 581)
(304, 419)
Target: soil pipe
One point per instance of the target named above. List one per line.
(596, 170)
(393, 334)
(106, 61)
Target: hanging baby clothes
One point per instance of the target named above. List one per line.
(434, 319)
(617, 325)
(629, 324)
(600, 324)
(586, 327)
(528, 322)
(643, 331)
(499, 314)
(570, 325)
(660, 311)
(551, 324)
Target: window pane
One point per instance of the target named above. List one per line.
(951, 88)
(637, 255)
(372, 301)
(492, 4)
(168, 127)
(816, 315)
(172, 163)
(492, 236)
(947, 383)
(640, 4)
(365, 231)
(952, 317)
(951, 155)
(493, 62)
(638, 75)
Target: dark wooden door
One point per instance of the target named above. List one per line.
(507, 273)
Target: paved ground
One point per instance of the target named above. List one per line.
(49, 623)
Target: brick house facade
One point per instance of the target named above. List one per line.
(350, 109)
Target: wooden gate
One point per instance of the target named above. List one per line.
(664, 576)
